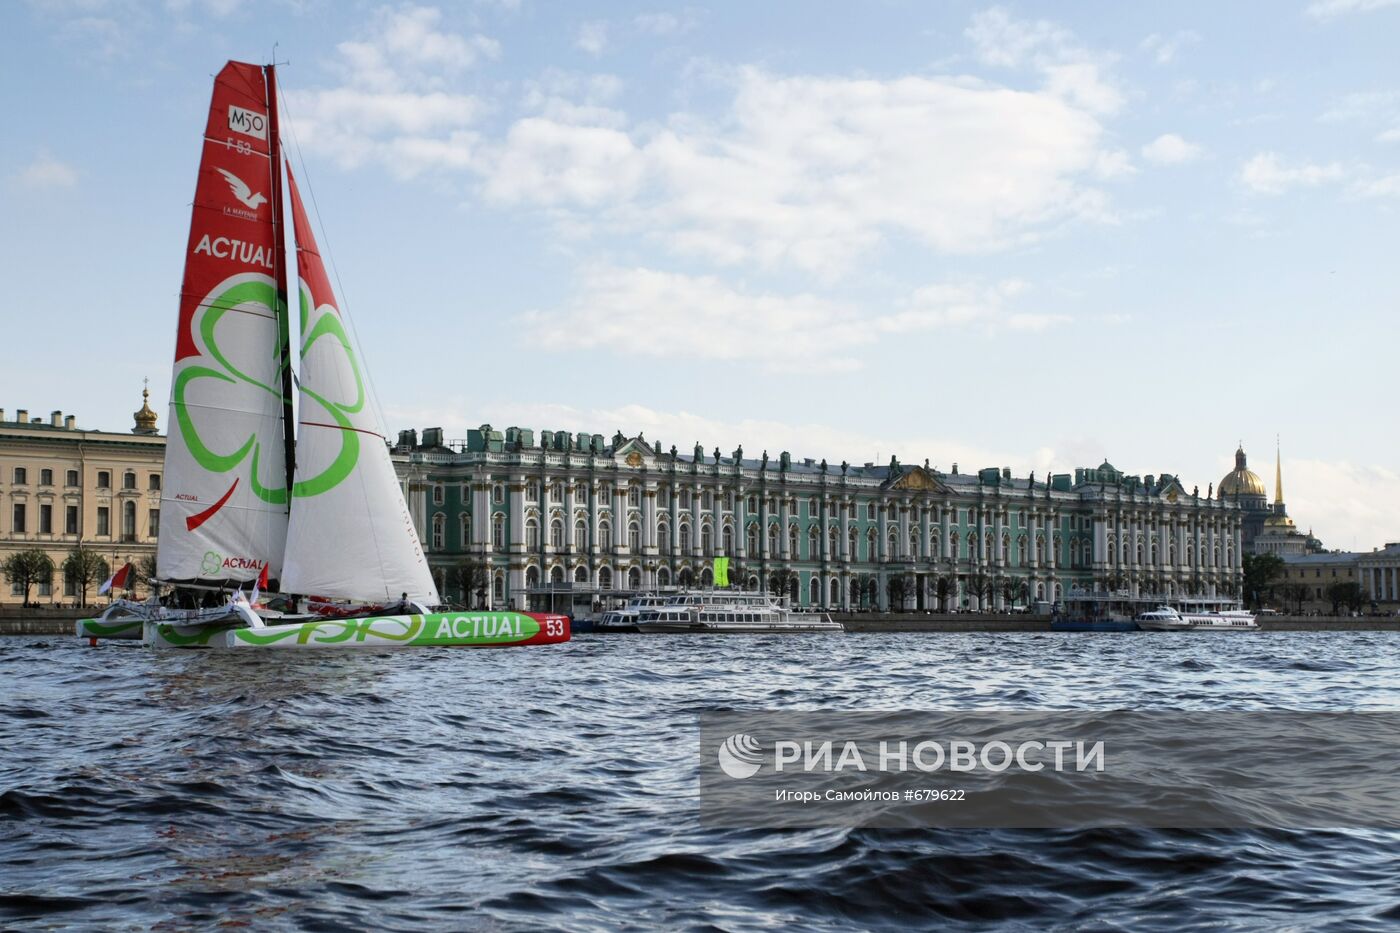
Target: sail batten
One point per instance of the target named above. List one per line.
(225, 494)
(350, 535)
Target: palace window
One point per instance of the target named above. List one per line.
(634, 496)
(70, 520)
(104, 521)
(438, 522)
(707, 501)
(498, 587)
(153, 482)
(753, 539)
(129, 520)
(438, 495)
(753, 504)
(870, 539)
(21, 476)
(580, 535)
(153, 521)
(792, 543)
(45, 519)
(685, 498)
(729, 501)
(556, 534)
(532, 534)
(706, 540)
(498, 493)
(773, 540)
(128, 480)
(605, 539)
(604, 578)
(532, 577)
(104, 479)
(853, 549)
(685, 538)
(71, 478)
(892, 545)
(580, 574)
(532, 491)
(814, 543)
(727, 537)
(870, 511)
(498, 531)
(46, 477)
(556, 494)
(634, 537)
(663, 497)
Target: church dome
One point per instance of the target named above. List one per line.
(145, 418)
(1241, 481)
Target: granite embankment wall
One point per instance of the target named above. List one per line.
(17, 621)
(973, 622)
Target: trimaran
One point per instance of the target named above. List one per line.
(253, 498)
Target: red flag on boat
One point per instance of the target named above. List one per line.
(259, 585)
(117, 580)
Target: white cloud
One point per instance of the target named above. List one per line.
(658, 315)
(813, 172)
(592, 37)
(1384, 187)
(1266, 173)
(1170, 149)
(666, 23)
(1164, 49)
(946, 306)
(1348, 505)
(47, 172)
(1371, 109)
(396, 106)
(1329, 9)
(1069, 70)
(662, 314)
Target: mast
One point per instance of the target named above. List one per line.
(279, 240)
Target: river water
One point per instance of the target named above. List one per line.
(557, 788)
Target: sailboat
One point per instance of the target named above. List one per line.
(254, 497)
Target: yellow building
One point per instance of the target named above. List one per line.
(62, 486)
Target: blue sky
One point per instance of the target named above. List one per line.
(1030, 235)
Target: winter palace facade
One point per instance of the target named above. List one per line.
(577, 512)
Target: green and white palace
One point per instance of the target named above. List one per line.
(506, 518)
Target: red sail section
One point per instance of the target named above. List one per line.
(226, 486)
(231, 230)
(309, 266)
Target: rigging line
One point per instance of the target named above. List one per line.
(335, 270)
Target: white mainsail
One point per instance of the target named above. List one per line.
(351, 535)
(225, 492)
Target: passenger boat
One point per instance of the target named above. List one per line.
(1099, 612)
(719, 612)
(1199, 614)
(253, 495)
(624, 619)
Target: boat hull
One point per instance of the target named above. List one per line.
(1085, 625)
(432, 630)
(125, 629)
(702, 628)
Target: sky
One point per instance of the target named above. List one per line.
(1025, 235)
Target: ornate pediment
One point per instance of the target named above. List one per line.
(634, 453)
(917, 479)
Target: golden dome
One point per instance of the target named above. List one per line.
(1278, 521)
(145, 418)
(1241, 481)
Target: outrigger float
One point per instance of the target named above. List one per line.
(290, 500)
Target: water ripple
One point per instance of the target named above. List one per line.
(556, 788)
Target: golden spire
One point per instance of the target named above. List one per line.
(1278, 474)
(145, 418)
